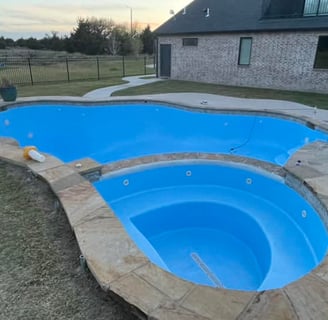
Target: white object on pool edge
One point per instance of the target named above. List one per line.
(35, 155)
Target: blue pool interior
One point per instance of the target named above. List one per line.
(112, 133)
(218, 224)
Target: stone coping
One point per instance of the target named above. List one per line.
(120, 267)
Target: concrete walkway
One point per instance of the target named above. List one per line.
(217, 102)
(134, 81)
(208, 101)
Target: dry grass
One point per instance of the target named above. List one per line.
(40, 276)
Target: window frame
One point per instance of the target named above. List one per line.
(315, 65)
(317, 11)
(240, 51)
(190, 42)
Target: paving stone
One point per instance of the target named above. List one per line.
(303, 171)
(138, 292)
(324, 202)
(7, 140)
(310, 161)
(217, 303)
(309, 297)
(108, 249)
(12, 154)
(164, 281)
(322, 270)
(103, 212)
(61, 177)
(79, 201)
(56, 173)
(319, 185)
(192, 156)
(86, 165)
(269, 305)
(49, 163)
(174, 312)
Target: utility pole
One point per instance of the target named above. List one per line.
(130, 20)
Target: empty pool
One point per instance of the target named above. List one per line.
(218, 224)
(116, 132)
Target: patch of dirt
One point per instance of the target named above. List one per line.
(40, 276)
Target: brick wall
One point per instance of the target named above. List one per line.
(281, 60)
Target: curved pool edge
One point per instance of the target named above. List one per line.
(124, 270)
(307, 115)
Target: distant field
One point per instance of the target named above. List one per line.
(41, 66)
(29, 53)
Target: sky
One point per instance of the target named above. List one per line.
(36, 18)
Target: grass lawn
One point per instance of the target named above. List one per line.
(170, 86)
(22, 70)
(75, 88)
(79, 88)
(40, 277)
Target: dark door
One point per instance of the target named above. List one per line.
(165, 60)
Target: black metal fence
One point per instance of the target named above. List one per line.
(31, 71)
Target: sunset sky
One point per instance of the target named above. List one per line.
(22, 18)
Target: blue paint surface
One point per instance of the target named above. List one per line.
(251, 230)
(111, 133)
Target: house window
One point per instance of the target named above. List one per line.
(190, 42)
(315, 7)
(321, 58)
(245, 48)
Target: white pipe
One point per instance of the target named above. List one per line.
(36, 155)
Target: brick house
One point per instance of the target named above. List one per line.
(270, 44)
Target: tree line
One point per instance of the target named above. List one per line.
(92, 36)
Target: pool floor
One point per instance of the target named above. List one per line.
(207, 256)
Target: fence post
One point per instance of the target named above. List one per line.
(123, 61)
(145, 65)
(98, 71)
(67, 69)
(30, 68)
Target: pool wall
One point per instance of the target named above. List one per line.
(156, 294)
(259, 209)
(106, 134)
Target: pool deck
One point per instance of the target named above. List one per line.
(119, 266)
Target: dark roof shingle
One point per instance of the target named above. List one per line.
(241, 15)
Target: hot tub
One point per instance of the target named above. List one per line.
(223, 225)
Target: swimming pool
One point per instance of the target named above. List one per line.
(219, 224)
(261, 239)
(116, 132)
